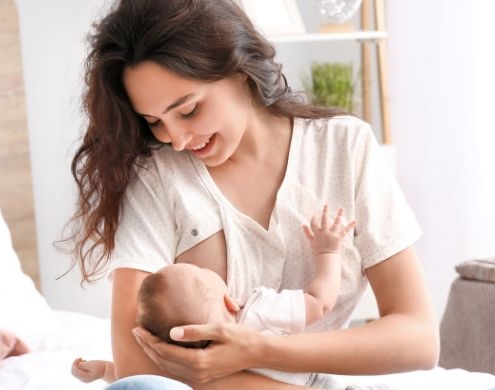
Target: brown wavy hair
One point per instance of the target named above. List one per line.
(205, 40)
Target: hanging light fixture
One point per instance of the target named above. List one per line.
(337, 11)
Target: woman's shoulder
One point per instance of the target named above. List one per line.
(338, 130)
(158, 171)
(346, 123)
(161, 162)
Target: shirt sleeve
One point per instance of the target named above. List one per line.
(385, 222)
(279, 313)
(146, 235)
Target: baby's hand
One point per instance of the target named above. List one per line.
(327, 237)
(88, 371)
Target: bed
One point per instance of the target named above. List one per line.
(48, 366)
(57, 337)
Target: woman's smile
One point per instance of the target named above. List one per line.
(203, 148)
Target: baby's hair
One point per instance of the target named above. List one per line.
(152, 313)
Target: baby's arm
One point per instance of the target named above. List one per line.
(91, 370)
(326, 241)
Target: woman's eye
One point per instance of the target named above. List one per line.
(191, 113)
(153, 124)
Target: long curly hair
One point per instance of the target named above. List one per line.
(206, 40)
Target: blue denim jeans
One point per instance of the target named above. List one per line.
(147, 382)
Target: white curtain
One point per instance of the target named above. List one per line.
(441, 65)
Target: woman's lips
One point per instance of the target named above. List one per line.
(204, 147)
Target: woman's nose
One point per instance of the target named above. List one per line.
(179, 138)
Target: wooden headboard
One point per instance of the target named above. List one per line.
(16, 193)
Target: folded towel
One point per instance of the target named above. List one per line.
(478, 269)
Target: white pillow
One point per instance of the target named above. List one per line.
(23, 310)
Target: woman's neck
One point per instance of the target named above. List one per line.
(265, 135)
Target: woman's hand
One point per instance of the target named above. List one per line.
(233, 348)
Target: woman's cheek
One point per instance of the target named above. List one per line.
(205, 125)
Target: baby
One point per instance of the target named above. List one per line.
(198, 295)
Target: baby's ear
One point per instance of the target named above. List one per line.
(231, 304)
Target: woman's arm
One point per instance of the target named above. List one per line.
(404, 338)
(187, 365)
(129, 358)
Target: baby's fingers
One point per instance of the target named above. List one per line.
(308, 232)
(350, 226)
(338, 218)
(84, 365)
(324, 218)
(76, 370)
(314, 224)
(75, 364)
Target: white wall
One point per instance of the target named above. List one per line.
(481, 239)
(52, 39)
(441, 62)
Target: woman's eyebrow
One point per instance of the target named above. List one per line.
(177, 103)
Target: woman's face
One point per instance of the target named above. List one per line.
(208, 119)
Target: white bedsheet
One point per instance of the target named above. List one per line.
(48, 368)
(89, 337)
(436, 379)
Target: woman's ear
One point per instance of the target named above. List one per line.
(231, 304)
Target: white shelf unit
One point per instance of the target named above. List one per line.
(365, 36)
(325, 37)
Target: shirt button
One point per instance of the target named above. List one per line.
(194, 232)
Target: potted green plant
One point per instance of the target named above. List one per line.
(331, 85)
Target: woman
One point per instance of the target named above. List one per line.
(197, 151)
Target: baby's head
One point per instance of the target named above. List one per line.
(183, 294)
